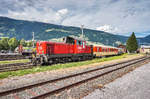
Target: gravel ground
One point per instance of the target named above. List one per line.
(15, 82)
(134, 85)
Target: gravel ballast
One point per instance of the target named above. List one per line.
(75, 92)
(134, 85)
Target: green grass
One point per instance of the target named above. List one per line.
(59, 66)
(14, 61)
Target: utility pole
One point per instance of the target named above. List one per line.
(33, 38)
(139, 42)
(82, 30)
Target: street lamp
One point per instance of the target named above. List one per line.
(82, 30)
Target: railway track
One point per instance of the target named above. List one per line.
(15, 66)
(45, 88)
(11, 57)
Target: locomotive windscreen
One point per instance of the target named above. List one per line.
(70, 40)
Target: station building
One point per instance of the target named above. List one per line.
(145, 49)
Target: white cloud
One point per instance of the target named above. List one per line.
(46, 14)
(60, 14)
(107, 28)
(62, 11)
(120, 16)
(125, 16)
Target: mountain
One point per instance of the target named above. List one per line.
(44, 31)
(145, 39)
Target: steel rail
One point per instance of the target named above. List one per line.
(15, 66)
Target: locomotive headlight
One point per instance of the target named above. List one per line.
(40, 47)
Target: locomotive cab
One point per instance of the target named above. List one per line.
(69, 40)
(75, 41)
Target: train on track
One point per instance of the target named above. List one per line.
(71, 49)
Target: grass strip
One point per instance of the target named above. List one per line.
(60, 66)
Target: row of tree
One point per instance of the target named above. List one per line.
(12, 43)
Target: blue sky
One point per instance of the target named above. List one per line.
(115, 16)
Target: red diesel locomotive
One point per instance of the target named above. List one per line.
(70, 50)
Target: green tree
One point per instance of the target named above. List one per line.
(4, 42)
(23, 42)
(13, 43)
(132, 44)
(29, 44)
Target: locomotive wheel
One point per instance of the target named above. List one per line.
(41, 61)
(34, 62)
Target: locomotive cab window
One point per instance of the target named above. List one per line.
(70, 40)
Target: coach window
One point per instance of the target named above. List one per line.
(103, 50)
(100, 50)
